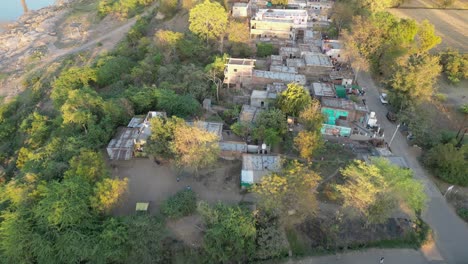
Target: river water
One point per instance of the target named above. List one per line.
(10, 10)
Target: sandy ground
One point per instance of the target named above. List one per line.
(149, 182)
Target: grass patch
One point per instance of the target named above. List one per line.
(3, 75)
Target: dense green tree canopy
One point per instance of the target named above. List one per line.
(230, 233)
(378, 189)
(289, 194)
(208, 20)
(294, 99)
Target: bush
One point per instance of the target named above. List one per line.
(449, 163)
(463, 213)
(122, 8)
(455, 65)
(264, 49)
(441, 97)
(169, 7)
(111, 69)
(181, 204)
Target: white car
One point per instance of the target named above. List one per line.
(383, 98)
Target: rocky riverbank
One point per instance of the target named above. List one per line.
(33, 32)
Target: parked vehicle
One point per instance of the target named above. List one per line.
(383, 98)
(391, 116)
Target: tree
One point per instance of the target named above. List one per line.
(89, 165)
(311, 117)
(265, 49)
(308, 142)
(455, 65)
(112, 242)
(241, 129)
(71, 79)
(167, 42)
(279, 2)
(145, 239)
(230, 233)
(111, 69)
(374, 6)
(378, 189)
(108, 193)
(177, 105)
(193, 147)
(169, 7)
(414, 82)
(238, 32)
(64, 204)
(427, 39)
(208, 20)
(289, 194)
(342, 15)
(83, 107)
(181, 204)
(270, 126)
(449, 163)
(294, 99)
(162, 134)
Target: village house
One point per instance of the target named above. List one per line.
(249, 114)
(130, 139)
(279, 23)
(261, 99)
(215, 128)
(320, 90)
(333, 49)
(255, 166)
(341, 115)
(239, 72)
(266, 77)
(320, 4)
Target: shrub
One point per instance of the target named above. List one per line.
(455, 65)
(181, 204)
(441, 97)
(463, 213)
(449, 163)
(264, 49)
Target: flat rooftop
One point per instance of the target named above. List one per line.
(253, 162)
(281, 13)
(298, 63)
(246, 62)
(259, 94)
(317, 59)
(342, 104)
(333, 44)
(282, 68)
(281, 76)
(276, 87)
(249, 113)
(211, 127)
(323, 89)
(238, 4)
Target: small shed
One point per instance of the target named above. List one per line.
(261, 98)
(340, 91)
(255, 166)
(240, 9)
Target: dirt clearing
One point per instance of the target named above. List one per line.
(149, 182)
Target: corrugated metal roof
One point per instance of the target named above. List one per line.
(121, 146)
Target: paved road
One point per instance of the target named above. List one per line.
(451, 233)
(371, 256)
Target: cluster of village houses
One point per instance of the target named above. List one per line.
(306, 57)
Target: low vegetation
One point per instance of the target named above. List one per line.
(181, 204)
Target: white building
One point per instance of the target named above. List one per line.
(279, 23)
(241, 9)
(254, 167)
